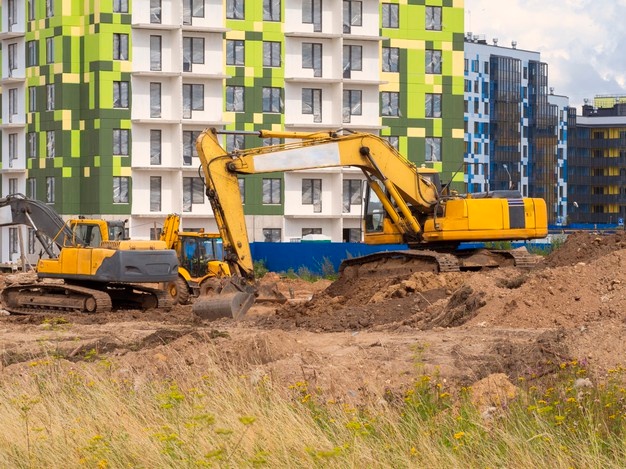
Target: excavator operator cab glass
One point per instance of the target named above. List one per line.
(90, 233)
(196, 254)
(434, 178)
(374, 212)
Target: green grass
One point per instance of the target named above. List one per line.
(57, 414)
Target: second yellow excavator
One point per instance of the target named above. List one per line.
(404, 203)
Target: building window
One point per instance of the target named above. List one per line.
(49, 8)
(390, 59)
(49, 50)
(155, 11)
(50, 189)
(234, 143)
(433, 61)
(31, 188)
(50, 146)
(272, 99)
(242, 189)
(433, 105)
(12, 103)
(235, 9)
(120, 94)
(234, 98)
(31, 54)
(31, 241)
(120, 46)
(155, 99)
(272, 188)
(272, 235)
(32, 144)
(352, 104)
(119, 6)
(271, 10)
(235, 52)
(351, 193)
(312, 103)
(121, 189)
(192, 9)
(155, 53)
(189, 145)
(390, 15)
(12, 151)
(193, 192)
(312, 193)
(433, 149)
(155, 146)
(312, 57)
(31, 10)
(12, 58)
(120, 142)
(193, 99)
(32, 99)
(352, 15)
(394, 141)
(268, 142)
(155, 193)
(13, 240)
(433, 18)
(49, 97)
(390, 103)
(193, 52)
(13, 185)
(351, 235)
(312, 13)
(352, 59)
(311, 231)
(271, 54)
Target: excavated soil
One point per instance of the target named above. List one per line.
(371, 332)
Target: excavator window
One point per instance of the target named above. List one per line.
(374, 212)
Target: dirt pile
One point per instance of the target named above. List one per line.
(361, 336)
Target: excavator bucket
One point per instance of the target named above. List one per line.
(228, 297)
(224, 305)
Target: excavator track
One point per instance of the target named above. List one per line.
(126, 296)
(417, 260)
(49, 298)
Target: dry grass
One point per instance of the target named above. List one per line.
(57, 414)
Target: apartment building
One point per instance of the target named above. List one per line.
(596, 169)
(516, 128)
(102, 103)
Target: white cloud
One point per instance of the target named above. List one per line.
(582, 41)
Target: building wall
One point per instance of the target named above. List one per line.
(85, 120)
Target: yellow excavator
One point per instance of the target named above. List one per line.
(404, 203)
(84, 271)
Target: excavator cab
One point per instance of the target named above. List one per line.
(197, 253)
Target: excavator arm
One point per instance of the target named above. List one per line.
(43, 220)
(403, 189)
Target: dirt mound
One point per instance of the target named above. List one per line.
(585, 247)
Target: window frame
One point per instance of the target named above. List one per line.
(155, 100)
(235, 52)
(121, 142)
(156, 51)
(433, 61)
(312, 14)
(156, 191)
(390, 99)
(390, 63)
(348, 10)
(269, 10)
(192, 91)
(349, 101)
(275, 59)
(390, 15)
(350, 57)
(121, 89)
(119, 184)
(232, 103)
(50, 189)
(316, 96)
(191, 56)
(312, 57)
(156, 147)
(272, 99)
(272, 191)
(433, 18)
(433, 105)
(235, 9)
(120, 46)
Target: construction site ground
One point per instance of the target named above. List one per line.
(361, 337)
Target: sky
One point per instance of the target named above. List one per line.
(582, 41)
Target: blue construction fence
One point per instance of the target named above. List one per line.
(317, 256)
(282, 257)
